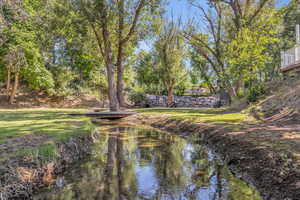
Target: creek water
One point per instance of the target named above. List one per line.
(138, 163)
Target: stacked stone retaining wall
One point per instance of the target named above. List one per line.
(184, 101)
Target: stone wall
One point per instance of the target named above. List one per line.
(184, 101)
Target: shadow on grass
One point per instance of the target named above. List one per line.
(49, 123)
(19, 115)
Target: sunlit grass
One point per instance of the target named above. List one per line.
(52, 125)
(214, 115)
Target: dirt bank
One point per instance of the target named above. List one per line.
(26, 98)
(21, 177)
(262, 154)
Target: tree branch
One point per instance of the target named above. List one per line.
(135, 20)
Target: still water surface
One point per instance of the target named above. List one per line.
(138, 163)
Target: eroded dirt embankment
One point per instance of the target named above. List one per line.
(26, 98)
(248, 152)
(20, 178)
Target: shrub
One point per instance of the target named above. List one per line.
(138, 98)
(255, 93)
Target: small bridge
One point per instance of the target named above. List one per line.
(106, 115)
(290, 59)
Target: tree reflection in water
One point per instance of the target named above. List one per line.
(137, 163)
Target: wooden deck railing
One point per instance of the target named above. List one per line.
(290, 58)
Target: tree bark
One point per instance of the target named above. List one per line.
(170, 96)
(120, 80)
(112, 92)
(8, 80)
(239, 85)
(14, 89)
(120, 67)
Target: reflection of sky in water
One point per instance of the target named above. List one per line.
(210, 192)
(148, 180)
(147, 183)
(187, 156)
(188, 149)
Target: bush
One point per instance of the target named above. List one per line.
(255, 93)
(138, 98)
(63, 79)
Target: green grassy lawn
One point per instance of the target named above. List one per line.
(213, 115)
(43, 126)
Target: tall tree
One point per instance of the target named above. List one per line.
(249, 54)
(20, 54)
(15, 59)
(225, 21)
(210, 43)
(291, 17)
(70, 50)
(245, 12)
(107, 52)
(201, 71)
(170, 48)
(123, 40)
(113, 37)
(147, 70)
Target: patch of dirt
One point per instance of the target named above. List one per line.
(21, 177)
(26, 98)
(265, 154)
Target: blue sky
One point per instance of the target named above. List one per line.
(183, 8)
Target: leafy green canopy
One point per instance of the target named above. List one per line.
(248, 53)
(19, 33)
(240, 51)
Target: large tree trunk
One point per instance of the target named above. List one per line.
(233, 92)
(238, 85)
(120, 76)
(112, 92)
(107, 53)
(120, 66)
(122, 41)
(8, 80)
(14, 89)
(170, 96)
